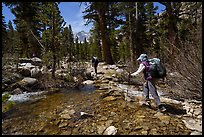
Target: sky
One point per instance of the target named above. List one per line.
(72, 14)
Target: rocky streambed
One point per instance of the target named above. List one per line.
(92, 111)
(60, 113)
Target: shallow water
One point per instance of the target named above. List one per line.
(43, 108)
(43, 116)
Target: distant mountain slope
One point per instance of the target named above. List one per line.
(81, 35)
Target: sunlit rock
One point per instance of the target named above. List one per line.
(36, 72)
(88, 82)
(111, 130)
(109, 98)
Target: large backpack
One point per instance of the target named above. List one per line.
(157, 69)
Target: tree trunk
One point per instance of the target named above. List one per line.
(105, 40)
(132, 49)
(171, 28)
(53, 46)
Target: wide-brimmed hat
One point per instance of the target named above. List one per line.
(142, 57)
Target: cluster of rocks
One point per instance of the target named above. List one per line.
(25, 77)
(110, 90)
(193, 116)
(192, 110)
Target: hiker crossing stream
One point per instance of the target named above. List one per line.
(103, 102)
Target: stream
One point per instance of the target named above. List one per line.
(32, 108)
(60, 113)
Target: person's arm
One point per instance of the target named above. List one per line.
(140, 69)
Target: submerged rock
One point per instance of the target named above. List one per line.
(85, 115)
(109, 98)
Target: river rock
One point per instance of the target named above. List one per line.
(44, 69)
(111, 130)
(119, 70)
(36, 72)
(128, 98)
(36, 61)
(112, 67)
(165, 119)
(107, 78)
(67, 114)
(167, 100)
(105, 81)
(192, 124)
(63, 124)
(109, 98)
(14, 77)
(26, 65)
(108, 123)
(24, 72)
(24, 60)
(100, 129)
(88, 82)
(17, 91)
(85, 115)
(27, 81)
(196, 133)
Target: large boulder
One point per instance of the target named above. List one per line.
(25, 69)
(36, 61)
(12, 78)
(28, 82)
(36, 72)
(24, 72)
(24, 60)
(26, 65)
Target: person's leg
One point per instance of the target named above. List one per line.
(145, 94)
(153, 91)
(146, 90)
(95, 68)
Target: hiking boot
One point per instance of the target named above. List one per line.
(162, 108)
(145, 103)
(147, 100)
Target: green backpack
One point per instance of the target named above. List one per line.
(157, 69)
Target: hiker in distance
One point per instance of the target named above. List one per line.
(149, 85)
(95, 63)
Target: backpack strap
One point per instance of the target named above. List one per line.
(146, 71)
(146, 64)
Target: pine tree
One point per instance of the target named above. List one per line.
(96, 48)
(97, 11)
(4, 35)
(55, 25)
(152, 30)
(11, 38)
(27, 24)
(77, 48)
(71, 43)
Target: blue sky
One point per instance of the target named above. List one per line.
(71, 12)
